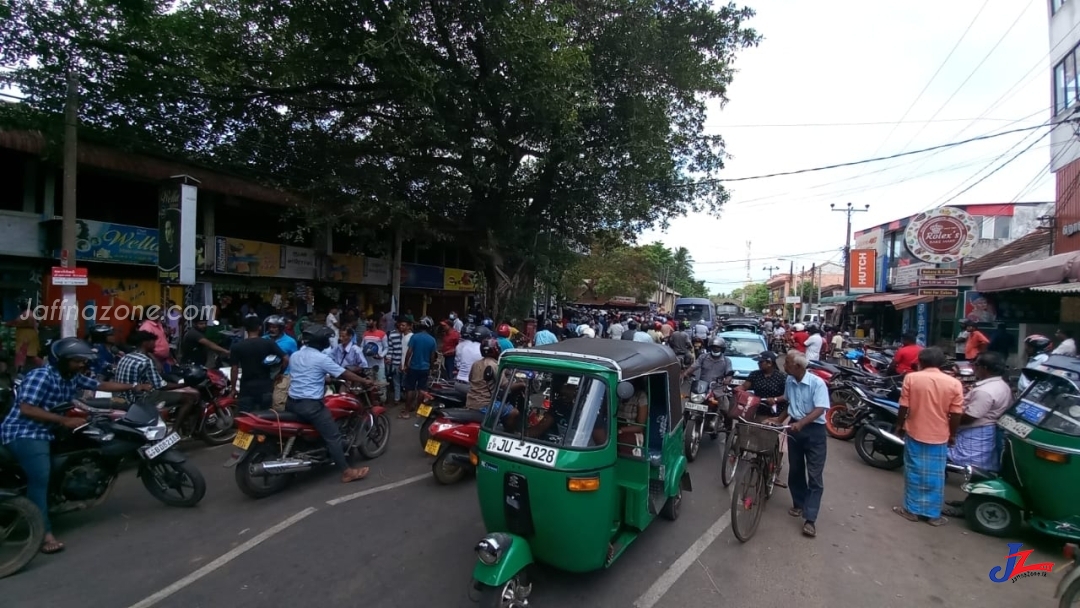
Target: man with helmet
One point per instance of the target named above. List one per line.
(417, 365)
(482, 376)
(101, 340)
(247, 355)
(28, 429)
(714, 364)
(466, 354)
(504, 337)
(701, 331)
(275, 331)
(308, 369)
(799, 337)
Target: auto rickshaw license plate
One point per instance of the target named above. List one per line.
(423, 411)
(523, 450)
(432, 447)
(243, 440)
(1015, 427)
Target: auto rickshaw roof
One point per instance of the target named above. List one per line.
(628, 358)
(1062, 363)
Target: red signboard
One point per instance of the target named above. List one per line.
(70, 276)
(942, 235)
(863, 270)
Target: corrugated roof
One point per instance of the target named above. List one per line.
(1025, 245)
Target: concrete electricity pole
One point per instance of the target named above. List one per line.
(847, 243)
(70, 321)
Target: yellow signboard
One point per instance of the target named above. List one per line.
(253, 258)
(346, 268)
(456, 279)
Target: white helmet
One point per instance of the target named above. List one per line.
(588, 332)
(799, 327)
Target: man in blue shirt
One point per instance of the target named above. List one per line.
(310, 366)
(275, 330)
(545, 336)
(417, 365)
(807, 399)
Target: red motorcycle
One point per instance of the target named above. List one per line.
(273, 446)
(453, 434)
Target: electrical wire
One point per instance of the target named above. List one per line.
(856, 124)
(1000, 167)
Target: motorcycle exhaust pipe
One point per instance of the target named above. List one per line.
(461, 460)
(883, 434)
(281, 467)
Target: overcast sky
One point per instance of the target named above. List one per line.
(848, 61)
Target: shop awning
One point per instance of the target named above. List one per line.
(1059, 288)
(899, 301)
(1026, 275)
(838, 299)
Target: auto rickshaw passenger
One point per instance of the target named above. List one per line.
(633, 414)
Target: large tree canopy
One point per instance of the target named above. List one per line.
(518, 128)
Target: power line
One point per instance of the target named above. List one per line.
(768, 257)
(858, 124)
(1000, 167)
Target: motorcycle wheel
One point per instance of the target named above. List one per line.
(223, 430)
(445, 472)
(692, 439)
(866, 446)
(19, 514)
(425, 431)
(161, 477)
(834, 427)
(1071, 595)
(376, 437)
(259, 487)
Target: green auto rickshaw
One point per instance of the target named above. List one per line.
(1040, 468)
(579, 452)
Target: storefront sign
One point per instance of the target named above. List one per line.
(456, 279)
(939, 282)
(939, 272)
(1070, 229)
(252, 258)
(345, 269)
(870, 239)
(419, 276)
(945, 234)
(922, 316)
(376, 272)
(939, 293)
(296, 263)
(176, 227)
(863, 268)
(70, 276)
(622, 300)
(907, 276)
(117, 243)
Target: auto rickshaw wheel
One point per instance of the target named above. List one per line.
(513, 593)
(992, 516)
(672, 507)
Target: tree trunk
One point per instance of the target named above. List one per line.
(509, 288)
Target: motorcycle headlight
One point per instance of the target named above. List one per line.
(156, 432)
(492, 547)
(697, 398)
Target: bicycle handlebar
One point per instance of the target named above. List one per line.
(777, 429)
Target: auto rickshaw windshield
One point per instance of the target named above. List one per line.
(1051, 403)
(564, 410)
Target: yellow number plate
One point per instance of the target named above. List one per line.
(432, 447)
(243, 440)
(423, 411)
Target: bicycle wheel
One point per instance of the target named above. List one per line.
(731, 458)
(748, 501)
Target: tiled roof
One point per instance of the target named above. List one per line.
(1025, 245)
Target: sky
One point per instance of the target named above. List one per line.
(826, 64)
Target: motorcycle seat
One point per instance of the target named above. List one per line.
(463, 415)
(449, 397)
(276, 415)
(829, 367)
(106, 403)
(6, 457)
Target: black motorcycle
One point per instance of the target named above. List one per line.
(705, 412)
(875, 441)
(87, 460)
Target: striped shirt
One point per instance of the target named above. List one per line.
(396, 351)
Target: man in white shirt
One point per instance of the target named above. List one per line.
(838, 344)
(701, 331)
(616, 330)
(466, 353)
(1067, 345)
(332, 322)
(458, 325)
(813, 344)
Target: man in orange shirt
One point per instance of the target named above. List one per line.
(906, 358)
(931, 406)
(976, 342)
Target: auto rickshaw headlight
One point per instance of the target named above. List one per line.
(492, 547)
(697, 397)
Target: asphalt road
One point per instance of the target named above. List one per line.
(398, 539)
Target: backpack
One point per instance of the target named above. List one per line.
(370, 349)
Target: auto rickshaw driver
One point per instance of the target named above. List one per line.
(553, 423)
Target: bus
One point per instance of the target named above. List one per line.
(695, 310)
(728, 309)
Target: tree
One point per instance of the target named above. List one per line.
(610, 270)
(807, 290)
(515, 128)
(755, 297)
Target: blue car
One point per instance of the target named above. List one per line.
(742, 348)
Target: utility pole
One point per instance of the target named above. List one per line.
(768, 269)
(69, 324)
(748, 279)
(849, 209)
(395, 273)
(791, 288)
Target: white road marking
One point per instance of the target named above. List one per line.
(668, 579)
(224, 559)
(377, 489)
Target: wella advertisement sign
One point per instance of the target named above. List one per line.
(863, 269)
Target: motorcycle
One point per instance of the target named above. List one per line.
(217, 408)
(454, 434)
(849, 404)
(24, 531)
(432, 404)
(273, 446)
(875, 435)
(704, 413)
(87, 461)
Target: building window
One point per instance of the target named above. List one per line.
(1056, 4)
(1065, 82)
(995, 227)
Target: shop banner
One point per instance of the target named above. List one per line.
(377, 272)
(345, 269)
(176, 229)
(978, 308)
(456, 279)
(296, 263)
(116, 243)
(252, 258)
(922, 315)
(419, 276)
(863, 277)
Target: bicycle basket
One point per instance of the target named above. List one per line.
(756, 439)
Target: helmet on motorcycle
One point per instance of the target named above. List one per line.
(488, 323)
(656, 325)
(482, 333)
(799, 327)
(717, 346)
(469, 333)
(98, 333)
(1037, 344)
(272, 364)
(504, 331)
(588, 332)
(317, 337)
(489, 348)
(625, 390)
(70, 349)
(193, 375)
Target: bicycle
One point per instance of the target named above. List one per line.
(759, 449)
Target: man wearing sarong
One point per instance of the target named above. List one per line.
(931, 406)
(977, 440)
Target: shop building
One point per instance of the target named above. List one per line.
(1064, 146)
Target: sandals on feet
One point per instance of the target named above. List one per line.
(352, 475)
(50, 548)
(939, 521)
(795, 512)
(809, 530)
(908, 515)
(404, 415)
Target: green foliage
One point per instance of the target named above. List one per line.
(515, 127)
(614, 268)
(755, 297)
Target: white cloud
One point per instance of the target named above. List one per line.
(848, 61)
